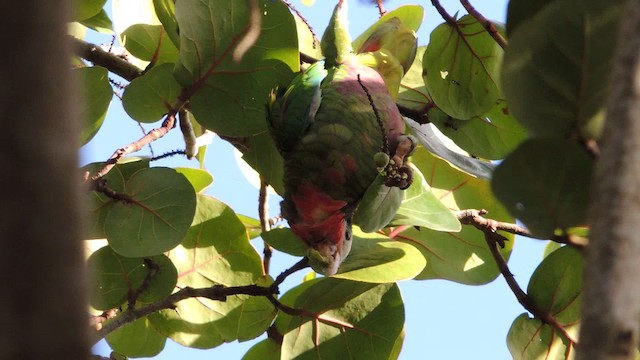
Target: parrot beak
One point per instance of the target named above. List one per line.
(327, 256)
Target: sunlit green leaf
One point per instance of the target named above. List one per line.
(349, 317)
(490, 136)
(263, 157)
(157, 218)
(555, 287)
(84, 9)
(137, 339)
(420, 207)
(99, 22)
(458, 256)
(216, 251)
(96, 97)
(410, 15)
(557, 65)
(377, 259)
(165, 10)
(307, 43)
(413, 92)
(283, 239)
(150, 96)
(545, 183)
(199, 179)
(150, 42)
(230, 85)
(252, 225)
(461, 68)
(266, 349)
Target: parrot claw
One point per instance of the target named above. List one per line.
(398, 173)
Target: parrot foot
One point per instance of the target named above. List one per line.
(398, 173)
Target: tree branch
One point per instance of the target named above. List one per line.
(488, 25)
(380, 7)
(610, 326)
(216, 292)
(97, 56)
(489, 228)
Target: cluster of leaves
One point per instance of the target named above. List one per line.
(165, 234)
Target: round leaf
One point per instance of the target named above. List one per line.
(84, 9)
(157, 218)
(420, 207)
(199, 179)
(461, 68)
(116, 277)
(216, 251)
(137, 339)
(150, 96)
(545, 183)
(554, 93)
(266, 349)
(378, 206)
(348, 315)
(413, 92)
(410, 16)
(376, 259)
(150, 43)
(283, 239)
(165, 10)
(490, 136)
(462, 256)
(96, 96)
(229, 85)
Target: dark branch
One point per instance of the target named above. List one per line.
(113, 63)
(445, 15)
(488, 25)
(493, 239)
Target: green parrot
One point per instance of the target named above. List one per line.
(331, 124)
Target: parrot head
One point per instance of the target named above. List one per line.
(324, 225)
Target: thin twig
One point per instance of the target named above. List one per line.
(380, 7)
(488, 25)
(263, 213)
(445, 15)
(493, 239)
(475, 217)
(152, 271)
(150, 137)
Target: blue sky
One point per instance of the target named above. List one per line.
(444, 320)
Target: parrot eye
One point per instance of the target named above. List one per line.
(347, 235)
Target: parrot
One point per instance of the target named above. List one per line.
(331, 124)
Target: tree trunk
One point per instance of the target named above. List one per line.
(611, 302)
(42, 300)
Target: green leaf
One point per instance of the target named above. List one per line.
(132, 164)
(490, 136)
(413, 92)
(545, 183)
(199, 179)
(308, 44)
(228, 90)
(263, 157)
(349, 318)
(98, 205)
(251, 225)
(461, 68)
(556, 66)
(438, 145)
(116, 277)
(85, 9)
(137, 339)
(420, 207)
(99, 22)
(266, 349)
(216, 251)
(556, 287)
(377, 259)
(150, 43)
(165, 10)
(283, 239)
(462, 256)
(378, 206)
(96, 97)
(410, 16)
(150, 96)
(161, 211)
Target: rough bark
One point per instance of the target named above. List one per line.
(42, 303)
(611, 302)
